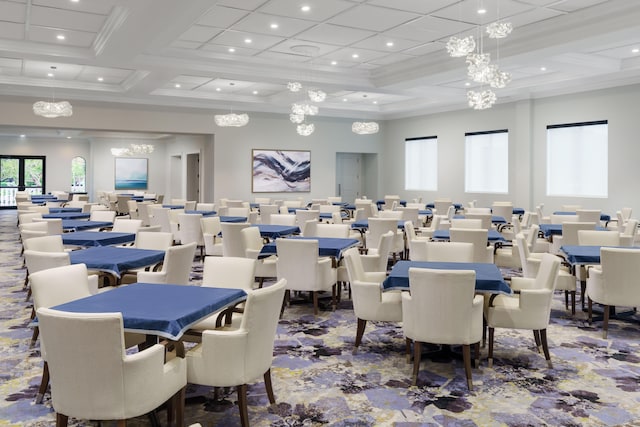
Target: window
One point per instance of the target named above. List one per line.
(421, 163)
(577, 159)
(78, 175)
(486, 166)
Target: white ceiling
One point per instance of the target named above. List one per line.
(141, 49)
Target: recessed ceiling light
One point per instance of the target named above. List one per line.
(375, 102)
(635, 50)
(344, 99)
(75, 1)
(482, 11)
(218, 89)
(23, 135)
(177, 85)
(231, 50)
(100, 79)
(389, 44)
(255, 92)
(305, 8)
(247, 41)
(355, 55)
(68, 137)
(49, 74)
(60, 37)
(543, 68)
(334, 62)
(274, 26)
(467, 84)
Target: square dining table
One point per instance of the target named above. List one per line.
(492, 235)
(488, 276)
(115, 260)
(97, 238)
(63, 210)
(203, 213)
(495, 219)
(80, 224)
(226, 218)
(161, 310)
(327, 246)
(67, 215)
(273, 231)
(363, 224)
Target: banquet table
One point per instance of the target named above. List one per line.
(224, 218)
(67, 215)
(273, 231)
(97, 238)
(115, 260)
(495, 219)
(173, 206)
(488, 276)
(327, 246)
(556, 229)
(80, 224)
(492, 235)
(160, 310)
(363, 224)
(581, 255)
(64, 210)
(203, 213)
(603, 217)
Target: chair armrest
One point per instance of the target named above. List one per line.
(532, 298)
(152, 277)
(251, 253)
(521, 283)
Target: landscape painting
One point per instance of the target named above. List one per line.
(276, 171)
(131, 174)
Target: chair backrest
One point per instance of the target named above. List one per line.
(523, 253)
(54, 225)
(177, 263)
(379, 226)
(27, 217)
(310, 228)
(100, 365)
(598, 238)
(466, 223)
(626, 213)
(38, 261)
(210, 225)
(370, 208)
(238, 211)
(189, 205)
(304, 215)
(443, 252)
(108, 216)
(283, 219)
(158, 240)
(570, 231)
(37, 208)
(485, 219)
(262, 200)
(441, 205)
(588, 215)
(570, 208)
(122, 206)
(333, 230)
(121, 225)
(298, 263)
(397, 215)
(47, 243)
(355, 269)
(410, 214)
(228, 272)
(620, 271)
(503, 209)
(479, 238)
(253, 241)
(475, 210)
(190, 229)
(132, 206)
(385, 244)
(205, 206)
(292, 203)
(232, 243)
(630, 228)
(160, 216)
(266, 211)
(547, 272)
(60, 284)
(178, 202)
(445, 299)
(561, 219)
(329, 208)
(34, 226)
(410, 231)
(27, 234)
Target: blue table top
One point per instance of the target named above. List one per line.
(556, 229)
(158, 309)
(364, 223)
(173, 206)
(224, 218)
(457, 206)
(603, 217)
(64, 210)
(492, 235)
(80, 224)
(494, 219)
(42, 196)
(115, 260)
(488, 276)
(578, 255)
(203, 213)
(142, 198)
(96, 238)
(68, 215)
(381, 202)
(327, 246)
(274, 231)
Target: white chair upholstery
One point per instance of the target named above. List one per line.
(442, 308)
(121, 225)
(411, 214)
(467, 223)
(107, 216)
(232, 242)
(238, 211)
(100, 381)
(211, 235)
(283, 219)
(160, 216)
(143, 213)
(304, 215)
(205, 206)
(598, 238)
(309, 228)
(190, 230)
(377, 259)
(333, 230)
(45, 244)
(441, 206)
(190, 205)
(442, 251)
(503, 209)
(302, 268)
(530, 309)
(588, 215)
(569, 235)
(369, 302)
(378, 227)
(54, 225)
(235, 358)
(481, 251)
(253, 242)
(157, 240)
(485, 219)
(266, 211)
(628, 234)
(614, 282)
(176, 266)
(132, 206)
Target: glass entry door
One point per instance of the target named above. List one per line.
(20, 173)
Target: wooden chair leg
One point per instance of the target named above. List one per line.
(536, 337)
(360, 331)
(407, 349)
(179, 406)
(476, 357)
(590, 311)
(566, 300)
(334, 304)
(44, 383)
(417, 355)
(466, 356)
(61, 420)
(490, 355)
(315, 302)
(34, 336)
(269, 387)
(545, 347)
(573, 303)
(242, 405)
(605, 321)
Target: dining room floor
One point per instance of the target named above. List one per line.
(318, 379)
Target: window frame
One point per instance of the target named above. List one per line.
(471, 159)
(424, 163)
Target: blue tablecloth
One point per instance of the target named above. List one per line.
(79, 224)
(115, 260)
(224, 218)
(173, 206)
(518, 211)
(67, 215)
(327, 246)
(158, 309)
(581, 255)
(381, 202)
(203, 213)
(488, 276)
(494, 219)
(275, 231)
(97, 238)
(64, 210)
(364, 224)
(556, 229)
(329, 215)
(142, 198)
(457, 206)
(492, 235)
(603, 217)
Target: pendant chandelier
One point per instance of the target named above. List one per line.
(365, 128)
(231, 120)
(52, 109)
(133, 150)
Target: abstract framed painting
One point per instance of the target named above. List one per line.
(131, 174)
(281, 171)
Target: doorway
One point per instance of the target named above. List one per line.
(356, 176)
(21, 173)
(193, 176)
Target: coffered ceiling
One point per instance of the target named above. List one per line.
(375, 59)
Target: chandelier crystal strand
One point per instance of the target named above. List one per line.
(52, 110)
(294, 86)
(365, 128)
(296, 118)
(305, 129)
(316, 95)
(460, 47)
(231, 120)
(481, 100)
(304, 109)
(499, 30)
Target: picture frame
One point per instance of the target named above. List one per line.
(280, 171)
(131, 173)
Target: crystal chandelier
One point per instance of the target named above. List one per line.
(458, 48)
(133, 150)
(499, 30)
(231, 119)
(304, 109)
(296, 118)
(316, 95)
(365, 128)
(305, 129)
(52, 109)
(294, 86)
(481, 100)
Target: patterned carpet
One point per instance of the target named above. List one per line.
(319, 381)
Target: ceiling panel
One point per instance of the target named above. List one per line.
(261, 23)
(416, 6)
(200, 33)
(428, 29)
(467, 11)
(380, 43)
(12, 12)
(40, 69)
(246, 40)
(334, 34)
(573, 5)
(66, 19)
(11, 31)
(320, 10)
(102, 7)
(222, 17)
(377, 18)
(242, 4)
(72, 38)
